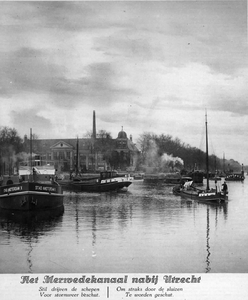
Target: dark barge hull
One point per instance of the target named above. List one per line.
(235, 179)
(30, 196)
(96, 187)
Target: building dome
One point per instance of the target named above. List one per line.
(122, 135)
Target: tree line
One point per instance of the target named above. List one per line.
(179, 155)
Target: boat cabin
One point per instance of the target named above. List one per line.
(108, 174)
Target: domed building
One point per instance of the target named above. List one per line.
(122, 135)
(125, 152)
(86, 154)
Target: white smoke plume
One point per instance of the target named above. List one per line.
(156, 163)
(169, 159)
(152, 157)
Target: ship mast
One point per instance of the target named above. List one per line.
(206, 123)
(224, 171)
(31, 150)
(77, 159)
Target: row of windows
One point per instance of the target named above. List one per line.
(62, 155)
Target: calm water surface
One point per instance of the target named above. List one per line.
(146, 229)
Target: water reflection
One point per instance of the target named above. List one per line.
(218, 209)
(29, 226)
(100, 208)
(208, 268)
(212, 211)
(30, 223)
(94, 228)
(146, 229)
(99, 213)
(107, 209)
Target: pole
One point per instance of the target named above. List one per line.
(31, 150)
(77, 158)
(224, 171)
(206, 122)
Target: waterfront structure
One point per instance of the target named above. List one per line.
(94, 153)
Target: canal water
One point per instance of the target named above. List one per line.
(144, 230)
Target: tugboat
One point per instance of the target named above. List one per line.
(103, 182)
(107, 181)
(236, 176)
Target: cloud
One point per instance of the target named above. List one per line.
(101, 85)
(147, 66)
(28, 70)
(32, 120)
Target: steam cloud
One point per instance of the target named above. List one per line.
(157, 163)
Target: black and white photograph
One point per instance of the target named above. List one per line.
(123, 142)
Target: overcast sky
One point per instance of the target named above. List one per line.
(146, 66)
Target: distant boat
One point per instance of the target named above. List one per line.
(154, 178)
(107, 181)
(189, 191)
(167, 178)
(34, 188)
(197, 176)
(104, 182)
(138, 176)
(175, 178)
(236, 176)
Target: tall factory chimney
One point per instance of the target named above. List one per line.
(94, 125)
